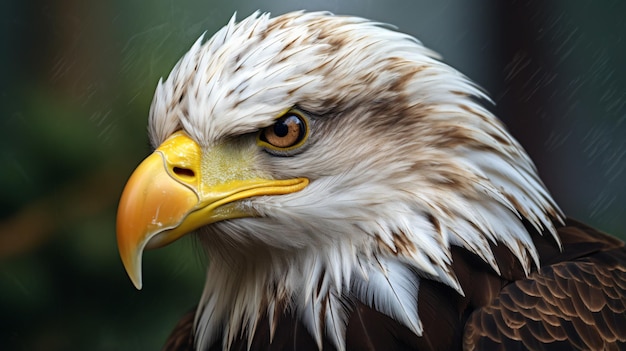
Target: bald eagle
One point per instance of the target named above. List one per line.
(351, 193)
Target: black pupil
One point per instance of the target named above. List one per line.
(281, 128)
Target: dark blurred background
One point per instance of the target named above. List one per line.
(77, 81)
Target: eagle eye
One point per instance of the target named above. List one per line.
(287, 133)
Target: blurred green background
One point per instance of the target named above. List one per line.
(77, 81)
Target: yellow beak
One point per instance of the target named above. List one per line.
(178, 189)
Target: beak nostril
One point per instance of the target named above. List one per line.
(183, 172)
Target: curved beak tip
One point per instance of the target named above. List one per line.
(133, 269)
(135, 277)
(137, 283)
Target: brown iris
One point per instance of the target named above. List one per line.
(288, 131)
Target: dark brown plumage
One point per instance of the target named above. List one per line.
(575, 301)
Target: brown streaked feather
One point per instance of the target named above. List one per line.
(576, 300)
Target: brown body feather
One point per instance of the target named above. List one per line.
(575, 301)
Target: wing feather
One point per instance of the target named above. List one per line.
(574, 304)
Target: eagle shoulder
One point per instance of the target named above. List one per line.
(576, 300)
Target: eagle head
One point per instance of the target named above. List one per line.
(322, 160)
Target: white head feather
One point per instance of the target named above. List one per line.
(403, 164)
